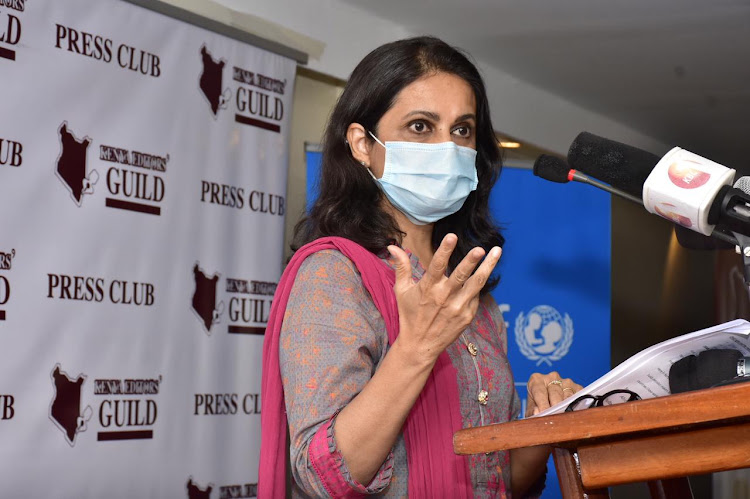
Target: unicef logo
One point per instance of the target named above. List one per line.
(543, 335)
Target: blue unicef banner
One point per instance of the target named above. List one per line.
(312, 161)
(555, 279)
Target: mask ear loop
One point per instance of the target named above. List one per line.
(376, 139)
(363, 163)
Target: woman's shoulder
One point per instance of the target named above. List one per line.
(328, 288)
(328, 264)
(329, 273)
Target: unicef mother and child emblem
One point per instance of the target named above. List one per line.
(543, 335)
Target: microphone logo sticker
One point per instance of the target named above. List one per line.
(671, 212)
(685, 176)
(543, 335)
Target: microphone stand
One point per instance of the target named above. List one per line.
(734, 213)
(743, 247)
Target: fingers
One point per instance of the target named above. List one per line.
(436, 270)
(569, 387)
(463, 271)
(538, 397)
(402, 264)
(546, 390)
(475, 283)
(554, 391)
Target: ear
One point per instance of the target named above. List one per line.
(357, 137)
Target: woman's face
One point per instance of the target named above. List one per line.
(440, 107)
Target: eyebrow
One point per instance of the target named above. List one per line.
(436, 117)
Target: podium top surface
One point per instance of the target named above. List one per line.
(710, 407)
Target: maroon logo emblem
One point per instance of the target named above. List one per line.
(195, 492)
(65, 409)
(204, 299)
(211, 82)
(71, 167)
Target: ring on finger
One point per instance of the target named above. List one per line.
(569, 388)
(555, 382)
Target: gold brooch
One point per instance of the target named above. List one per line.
(483, 396)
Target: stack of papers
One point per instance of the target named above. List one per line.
(647, 372)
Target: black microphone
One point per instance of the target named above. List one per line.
(622, 166)
(709, 368)
(551, 168)
(685, 188)
(555, 169)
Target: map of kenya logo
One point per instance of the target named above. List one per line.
(65, 409)
(71, 167)
(204, 299)
(211, 82)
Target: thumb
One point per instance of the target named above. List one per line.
(402, 264)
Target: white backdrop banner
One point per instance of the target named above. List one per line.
(142, 195)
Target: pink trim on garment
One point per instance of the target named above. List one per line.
(434, 469)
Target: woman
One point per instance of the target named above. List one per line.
(385, 337)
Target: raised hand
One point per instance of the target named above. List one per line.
(434, 311)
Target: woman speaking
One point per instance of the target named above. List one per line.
(383, 338)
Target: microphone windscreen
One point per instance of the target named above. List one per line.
(695, 240)
(743, 184)
(619, 165)
(709, 368)
(551, 168)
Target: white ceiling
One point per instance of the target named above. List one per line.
(678, 70)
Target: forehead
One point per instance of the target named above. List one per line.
(443, 93)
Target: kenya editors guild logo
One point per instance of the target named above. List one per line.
(10, 27)
(195, 491)
(249, 302)
(127, 408)
(65, 409)
(6, 262)
(543, 335)
(257, 100)
(134, 179)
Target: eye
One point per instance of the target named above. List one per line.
(418, 126)
(462, 131)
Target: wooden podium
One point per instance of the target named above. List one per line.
(659, 441)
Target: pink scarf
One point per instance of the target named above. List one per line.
(434, 469)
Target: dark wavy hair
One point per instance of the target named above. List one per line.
(349, 201)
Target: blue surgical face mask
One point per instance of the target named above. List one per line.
(427, 182)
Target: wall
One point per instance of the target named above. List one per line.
(313, 101)
(337, 35)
